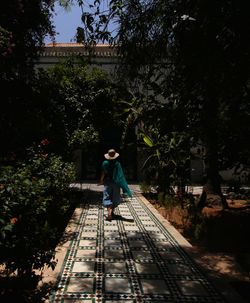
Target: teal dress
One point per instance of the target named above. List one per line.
(114, 181)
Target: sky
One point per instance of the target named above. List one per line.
(66, 23)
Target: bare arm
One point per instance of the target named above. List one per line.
(102, 178)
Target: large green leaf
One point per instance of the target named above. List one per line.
(148, 141)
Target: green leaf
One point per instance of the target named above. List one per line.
(8, 227)
(148, 141)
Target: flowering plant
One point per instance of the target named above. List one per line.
(33, 195)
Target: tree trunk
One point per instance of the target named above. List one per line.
(212, 182)
(212, 189)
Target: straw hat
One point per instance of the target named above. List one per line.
(111, 155)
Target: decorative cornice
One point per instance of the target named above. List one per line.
(77, 49)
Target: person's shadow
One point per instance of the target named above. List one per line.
(121, 218)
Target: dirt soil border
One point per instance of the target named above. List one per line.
(222, 267)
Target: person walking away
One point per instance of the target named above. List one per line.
(113, 179)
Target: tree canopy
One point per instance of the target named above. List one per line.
(60, 103)
(72, 98)
(189, 60)
(194, 54)
(23, 26)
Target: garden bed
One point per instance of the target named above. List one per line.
(220, 241)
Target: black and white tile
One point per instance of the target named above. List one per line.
(132, 259)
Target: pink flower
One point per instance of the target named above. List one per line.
(13, 220)
(45, 142)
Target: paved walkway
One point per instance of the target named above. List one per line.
(137, 258)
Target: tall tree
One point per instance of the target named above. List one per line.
(23, 26)
(197, 55)
(71, 98)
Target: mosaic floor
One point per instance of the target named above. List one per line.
(133, 259)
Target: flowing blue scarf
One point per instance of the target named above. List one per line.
(115, 171)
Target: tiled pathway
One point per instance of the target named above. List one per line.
(133, 259)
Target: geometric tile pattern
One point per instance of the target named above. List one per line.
(132, 259)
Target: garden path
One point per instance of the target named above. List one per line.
(137, 258)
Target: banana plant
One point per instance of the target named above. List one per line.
(167, 163)
(131, 114)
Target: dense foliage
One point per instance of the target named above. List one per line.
(23, 26)
(188, 65)
(67, 105)
(34, 198)
(194, 56)
(76, 104)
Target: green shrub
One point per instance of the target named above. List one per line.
(169, 201)
(145, 187)
(200, 230)
(34, 194)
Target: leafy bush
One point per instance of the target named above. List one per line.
(145, 188)
(83, 138)
(34, 194)
(200, 230)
